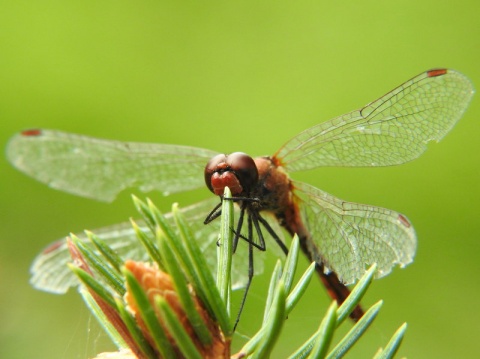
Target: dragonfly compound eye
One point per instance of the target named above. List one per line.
(237, 171)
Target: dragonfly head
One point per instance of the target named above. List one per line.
(236, 171)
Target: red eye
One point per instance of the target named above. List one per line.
(237, 171)
(244, 168)
(212, 167)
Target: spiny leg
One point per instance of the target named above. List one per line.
(237, 233)
(250, 271)
(261, 245)
(273, 233)
(252, 215)
(215, 213)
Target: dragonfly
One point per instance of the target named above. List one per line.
(343, 238)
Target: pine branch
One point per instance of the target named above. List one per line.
(173, 306)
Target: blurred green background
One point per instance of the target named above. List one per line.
(240, 76)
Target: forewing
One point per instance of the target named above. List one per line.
(348, 237)
(100, 169)
(49, 271)
(389, 131)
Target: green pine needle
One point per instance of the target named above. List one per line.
(273, 325)
(325, 333)
(176, 329)
(90, 282)
(393, 345)
(107, 252)
(104, 322)
(100, 266)
(224, 269)
(172, 247)
(181, 288)
(162, 344)
(135, 331)
(355, 333)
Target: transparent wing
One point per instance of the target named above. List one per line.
(100, 169)
(389, 131)
(348, 237)
(49, 271)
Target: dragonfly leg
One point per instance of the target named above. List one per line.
(254, 215)
(273, 234)
(215, 213)
(250, 272)
(238, 233)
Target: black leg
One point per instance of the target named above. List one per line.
(273, 234)
(252, 216)
(261, 245)
(215, 213)
(250, 271)
(239, 227)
